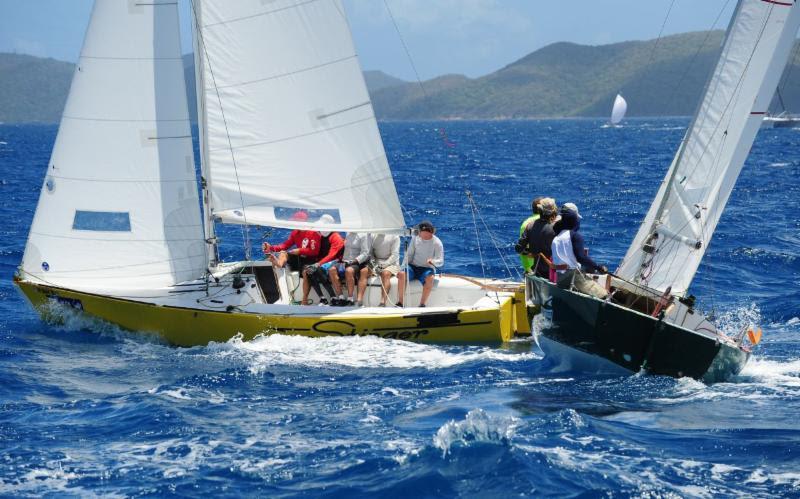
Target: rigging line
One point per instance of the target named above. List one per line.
(494, 240)
(734, 98)
(712, 173)
(443, 134)
(737, 93)
(658, 40)
(477, 235)
(791, 65)
(405, 47)
(697, 53)
(202, 43)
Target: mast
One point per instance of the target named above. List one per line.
(674, 236)
(212, 248)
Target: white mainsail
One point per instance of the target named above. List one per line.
(119, 208)
(619, 110)
(678, 227)
(286, 120)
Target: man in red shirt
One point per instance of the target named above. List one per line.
(301, 248)
(316, 274)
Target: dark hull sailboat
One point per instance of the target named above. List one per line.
(646, 322)
(608, 336)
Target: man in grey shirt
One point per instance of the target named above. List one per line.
(423, 256)
(384, 257)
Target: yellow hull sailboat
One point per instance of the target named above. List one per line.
(122, 232)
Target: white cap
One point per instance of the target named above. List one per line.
(326, 219)
(572, 207)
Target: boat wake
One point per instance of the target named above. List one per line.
(358, 352)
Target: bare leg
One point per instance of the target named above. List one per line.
(280, 261)
(426, 290)
(386, 285)
(333, 275)
(362, 283)
(350, 278)
(306, 288)
(401, 287)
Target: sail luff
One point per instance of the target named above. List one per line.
(209, 230)
(675, 234)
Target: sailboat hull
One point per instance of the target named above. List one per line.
(621, 338)
(186, 326)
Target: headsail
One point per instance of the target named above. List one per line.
(288, 121)
(678, 227)
(119, 208)
(619, 109)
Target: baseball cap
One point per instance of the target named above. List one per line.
(571, 207)
(299, 216)
(425, 225)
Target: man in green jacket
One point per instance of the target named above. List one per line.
(528, 261)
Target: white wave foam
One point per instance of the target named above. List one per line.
(366, 352)
(53, 478)
(733, 321)
(478, 426)
(773, 373)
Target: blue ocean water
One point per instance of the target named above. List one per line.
(90, 410)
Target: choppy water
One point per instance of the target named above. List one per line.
(108, 413)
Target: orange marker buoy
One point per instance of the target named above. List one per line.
(754, 336)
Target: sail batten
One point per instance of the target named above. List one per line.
(288, 124)
(678, 227)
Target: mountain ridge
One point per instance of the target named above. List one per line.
(561, 80)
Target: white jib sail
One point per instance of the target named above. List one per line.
(289, 125)
(119, 206)
(678, 227)
(619, 109)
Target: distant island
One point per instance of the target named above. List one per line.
(658, 78)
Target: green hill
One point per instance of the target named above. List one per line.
(566, 79)
(32, 88)
(664, 77)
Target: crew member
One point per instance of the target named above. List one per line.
(425, 253)
(568, 249)
(525, 259)
(300, 248)
(538, 236)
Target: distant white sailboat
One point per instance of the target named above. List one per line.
(619, 110)
(784, 119)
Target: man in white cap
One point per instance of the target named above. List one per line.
(568, 249)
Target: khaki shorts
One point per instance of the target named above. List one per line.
(377, 269)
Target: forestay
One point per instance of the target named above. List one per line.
(678, 227)
(119, 208)
(286, 121)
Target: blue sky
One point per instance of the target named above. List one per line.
(471, 37)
